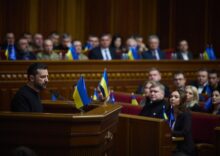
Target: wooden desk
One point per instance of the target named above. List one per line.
(142, 136)
(123, 75)
(88, 134)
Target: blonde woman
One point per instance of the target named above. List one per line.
(192, 98)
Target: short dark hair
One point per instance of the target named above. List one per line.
(203, 69)
(178, 73)
(154, 69)
(105, 34)
(32, 69)
(214, 72)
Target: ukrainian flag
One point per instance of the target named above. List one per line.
(133, 100)
(133, 54)
(10, 53)
(164, 113)
(112, 97)
(171, 117)
(96, 95)
(209, 54)
(87, 47)
(103, 85)
(80, 95)
(72, 54)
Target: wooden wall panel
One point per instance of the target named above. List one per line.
(97, 17)
(190, 23)
(14, 16)
(215, 25)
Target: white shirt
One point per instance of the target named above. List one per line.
(106, 54)
(155, 52)
(200, 88)
(185, 56)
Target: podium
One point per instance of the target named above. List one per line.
(61, 131)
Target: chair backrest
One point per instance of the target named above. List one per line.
(126, 97)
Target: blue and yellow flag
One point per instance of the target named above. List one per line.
(112, 97)
(209, 53)
(80, 95)
(10, 53)
(103, 85)
(133, 100)
(72, 54)
(95, 96)
(208, 104)
(171, 117)
(87, 47)
(164, 113)
(133, 54)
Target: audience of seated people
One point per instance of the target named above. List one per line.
(104, 48)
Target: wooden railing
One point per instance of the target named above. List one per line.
(123, 75)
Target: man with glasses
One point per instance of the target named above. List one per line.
(179, 81)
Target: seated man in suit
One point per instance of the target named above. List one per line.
(27, 98)
(154, 53)
(183, 51)
(93, 40)
(179, 81)
(9, 47)
(23, 52)
(214, 80)
(154, 106)
(202, 83)
(104, 51)
(153, 75)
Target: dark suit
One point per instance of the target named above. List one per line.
(196, 84)
(96, 54)
(183, 128)
(149, 55)
(153, 108)
(180, 56)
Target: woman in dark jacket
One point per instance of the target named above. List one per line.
(182, 125)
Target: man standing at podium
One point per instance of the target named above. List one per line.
(27, 98)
